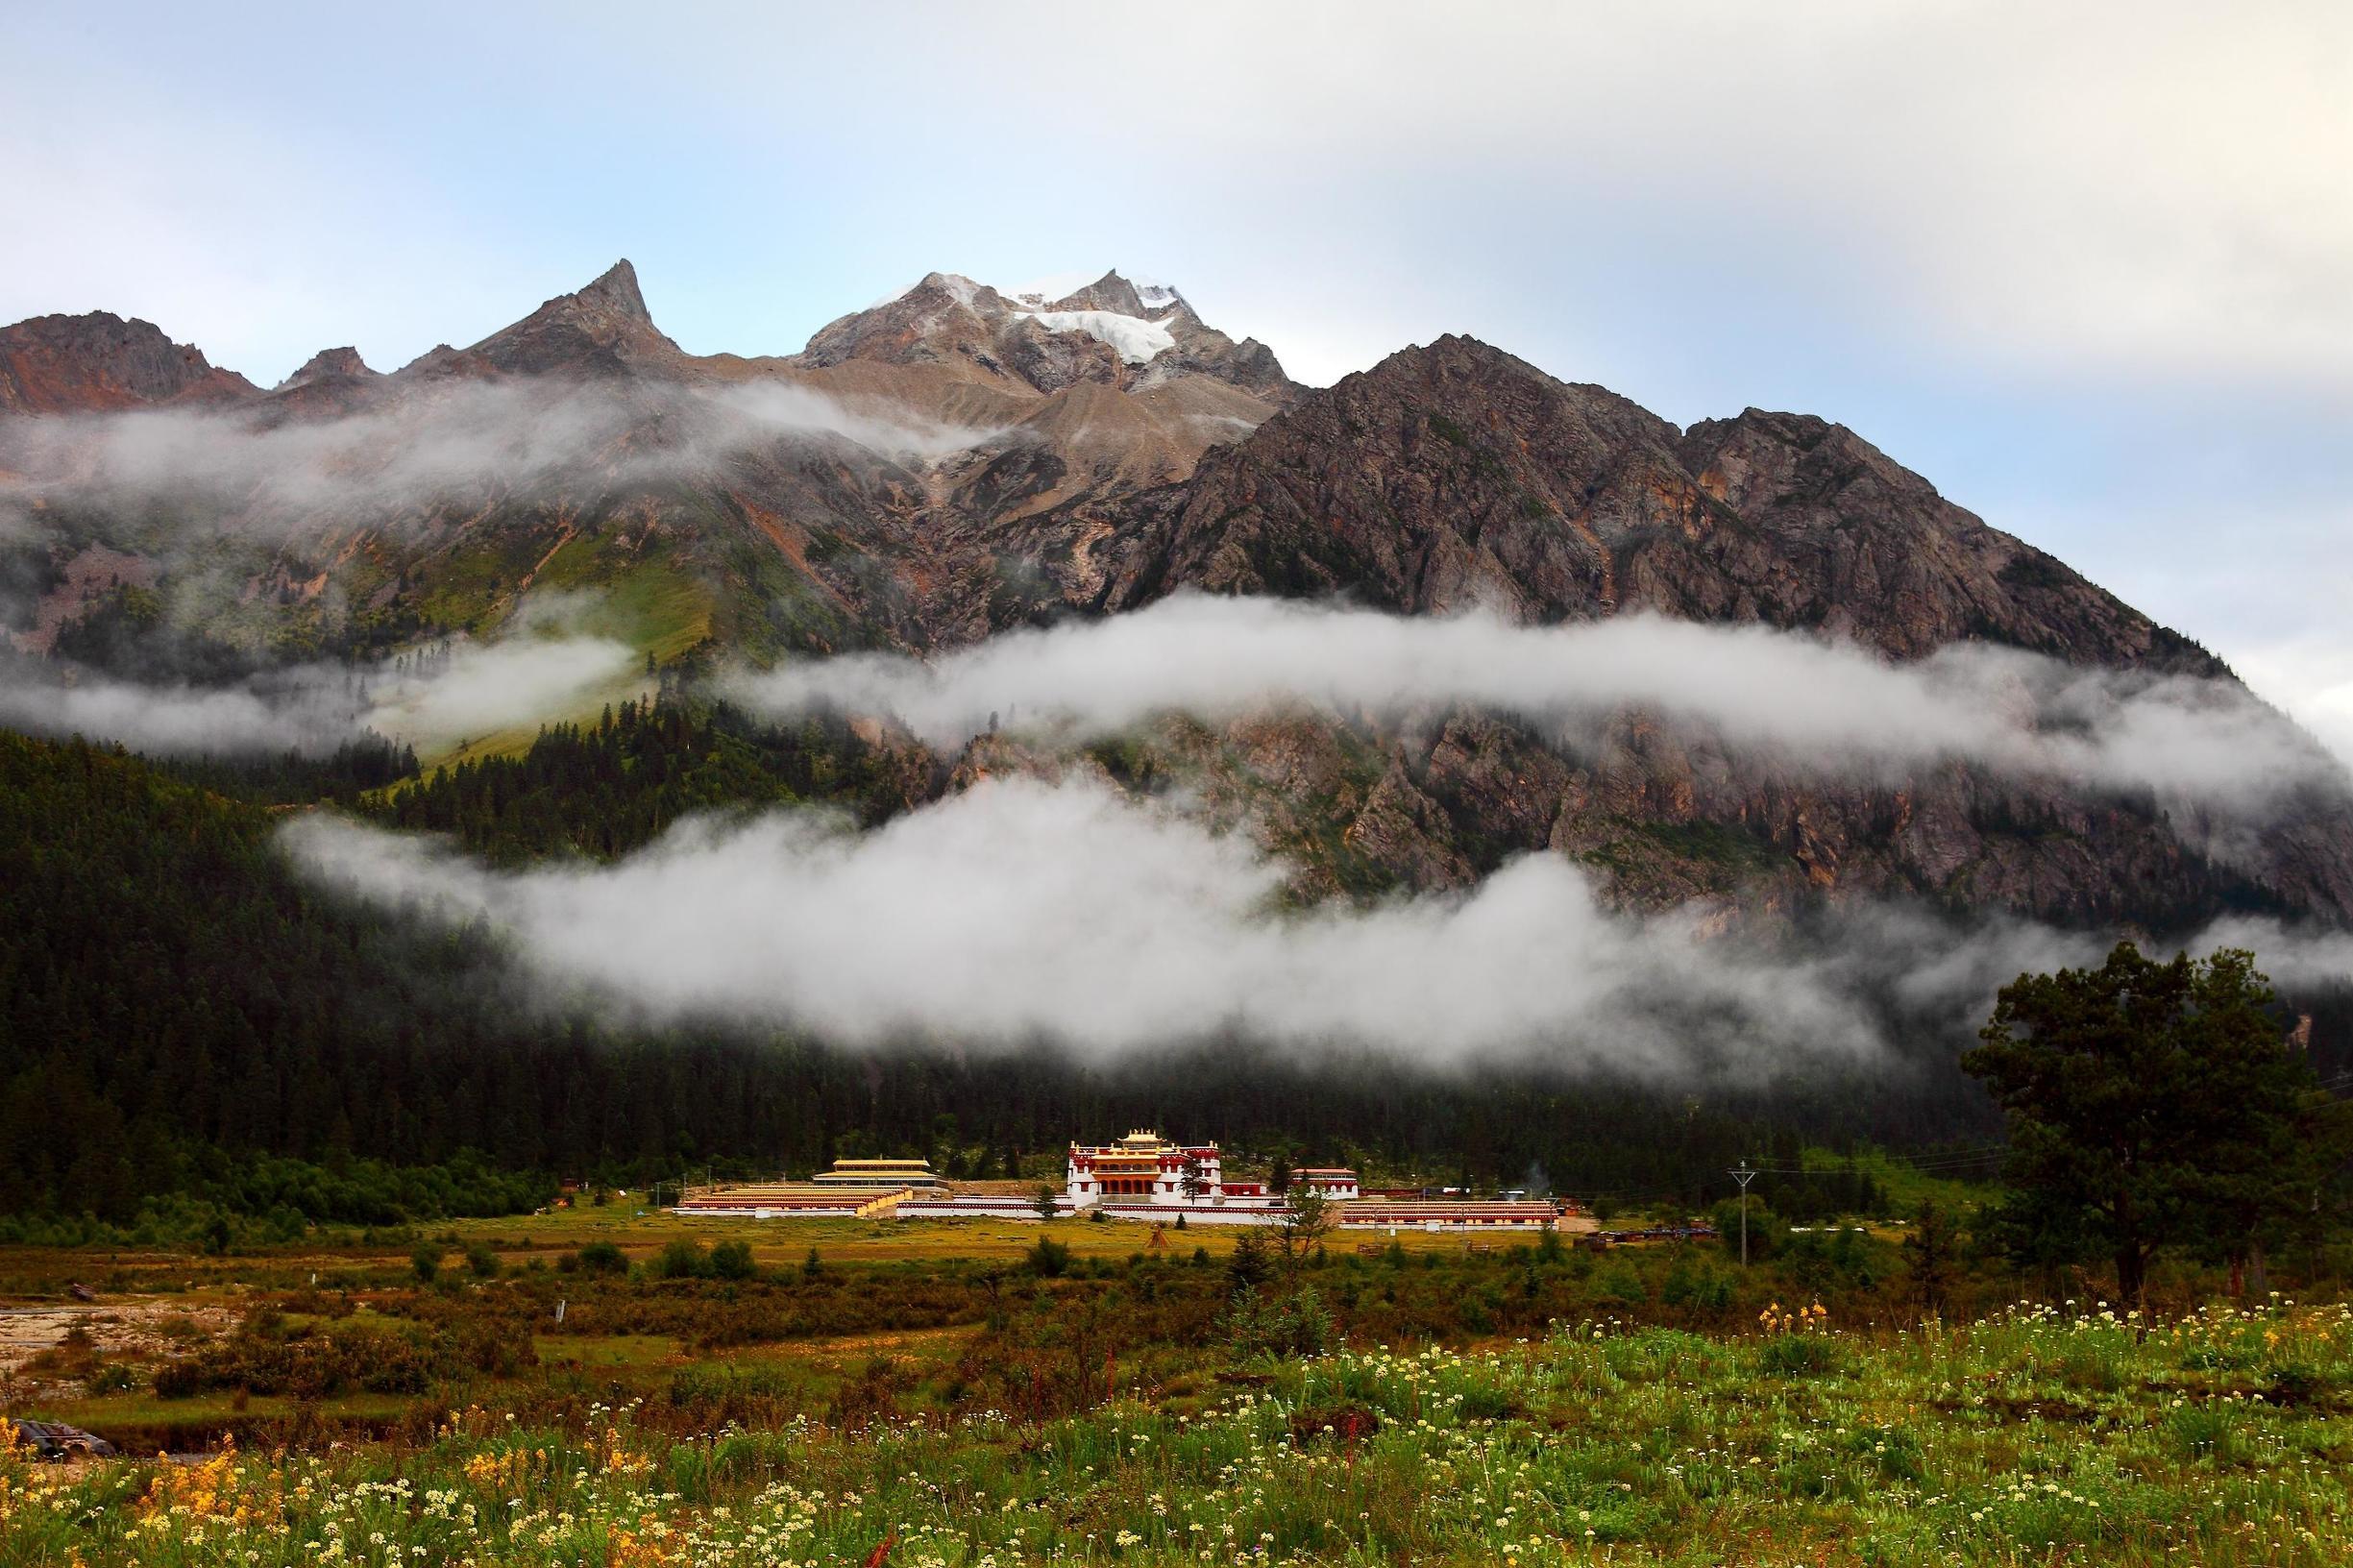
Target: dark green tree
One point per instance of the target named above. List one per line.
(2150, 1104)
(1249, 1265)
(1932, 1256)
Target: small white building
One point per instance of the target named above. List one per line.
(1334, 1183)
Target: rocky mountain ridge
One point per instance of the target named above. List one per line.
(987, 460)
(99, 362)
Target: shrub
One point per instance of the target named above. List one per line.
(732, 1260)
(1690, 1284)
(682, 1260)
(1799, 1355)
(601, 1258)
(1266, 1325)
(426, 1261)
(1049, 1257)
(1619, 1285)
(481, 1262)
(113, 1378)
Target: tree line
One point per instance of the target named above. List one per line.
(170, 986)
(173, 997)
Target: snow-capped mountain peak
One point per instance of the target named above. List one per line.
(1050, 331)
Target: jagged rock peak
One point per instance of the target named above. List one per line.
(67, 364)
(328, 362)
(616, 289)
(603, 329)
(1114, 292)
(613, 299)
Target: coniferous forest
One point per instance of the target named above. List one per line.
(184, 1016)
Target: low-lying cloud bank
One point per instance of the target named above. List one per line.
(1025, 912)
(310, 710)
(475, 690)
(427, 443)
(1824, 705)
(481, 688)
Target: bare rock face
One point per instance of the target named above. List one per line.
(1457, 475)
(328, 364)
(1407, 833)
(602, 330)
(99, 362)
(331, 384)
(1840, 537)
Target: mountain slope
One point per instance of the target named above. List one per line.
(957, 460)
(1455, 475)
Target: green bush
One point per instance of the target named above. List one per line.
(682, 1260)
(1799, 1355)
(1619, 1285)
(1690, 1283)
(1264, 1324)
(601, 1258)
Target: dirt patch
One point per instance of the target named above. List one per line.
(118, 1331)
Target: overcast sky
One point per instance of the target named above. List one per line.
(2089, 267)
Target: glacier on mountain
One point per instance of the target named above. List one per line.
(1137, 339)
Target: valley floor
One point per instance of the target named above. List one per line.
(2032, 1436)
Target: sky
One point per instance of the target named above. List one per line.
(2089, 268)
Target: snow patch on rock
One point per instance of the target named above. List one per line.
(1136, 339)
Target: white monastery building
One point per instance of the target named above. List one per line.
(1144, 1167)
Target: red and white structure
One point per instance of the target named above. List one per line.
(1143, 1176)
(1337, 1184)
(1144, 1167)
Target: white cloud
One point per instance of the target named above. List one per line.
(430, 444)
(1022, 912)
(480, 690)
(1823, 705)
(307, 711)
(470, 692)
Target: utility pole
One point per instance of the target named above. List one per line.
(1744, 1176)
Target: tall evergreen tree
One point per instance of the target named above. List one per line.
(2152, 1105)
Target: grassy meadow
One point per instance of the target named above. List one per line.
(954, 1395)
